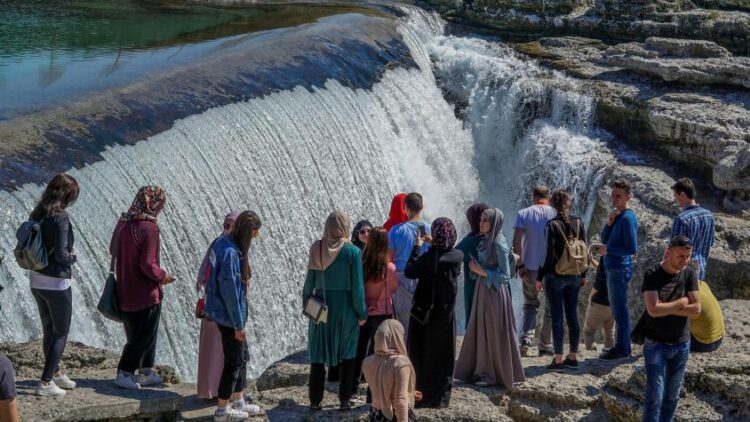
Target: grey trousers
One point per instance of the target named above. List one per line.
(531, 304)
(402, 301)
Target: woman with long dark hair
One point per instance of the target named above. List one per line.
(135, 245)
(226, 305)
(490, 354)
(562, 290)
(468, 245)
(51, 286)
(334, 272)
(380, 283)
(432, 334)
(210, 354)
(360, 233)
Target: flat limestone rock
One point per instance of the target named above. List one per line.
(689, 61)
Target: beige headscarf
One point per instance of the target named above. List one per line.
(335, 236)
(381, 369)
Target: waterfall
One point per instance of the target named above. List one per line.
(295, 155)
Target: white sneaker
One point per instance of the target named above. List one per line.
(250, 409)
(127, 381)
(150, 378)
(49, 390)
(230, 415)
(64, 382)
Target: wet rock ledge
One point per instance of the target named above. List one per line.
(716, 388)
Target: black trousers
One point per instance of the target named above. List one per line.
(141, 330)
(366, 345)
(55, 310)
(318, 381)
(236, 354)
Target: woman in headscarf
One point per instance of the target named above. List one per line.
(397, 215)
(360, 233)
(390, 375)
(140, 281)
(489, 354)
(335, 274)
(210, 354)
(432, 330)
(468, 245)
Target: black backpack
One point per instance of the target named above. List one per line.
(30, 252)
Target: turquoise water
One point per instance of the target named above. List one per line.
(52, 51)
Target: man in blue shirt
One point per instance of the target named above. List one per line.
(401, 241)
(620, 238)
(694, 222)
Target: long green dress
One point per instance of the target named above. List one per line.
(344, 293)
(468, 245)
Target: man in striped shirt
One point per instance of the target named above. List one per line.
(694, 222)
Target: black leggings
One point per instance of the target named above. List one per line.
(55, 311)
(318, 380)
(366, 345)
(141, 330)
(236, 355)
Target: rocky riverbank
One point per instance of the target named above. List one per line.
(716, 388)
(669, 77)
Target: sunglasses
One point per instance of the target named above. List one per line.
(365, 231)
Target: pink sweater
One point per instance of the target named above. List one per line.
(377, 298)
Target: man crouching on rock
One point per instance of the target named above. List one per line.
(670, 290)
(8, 408)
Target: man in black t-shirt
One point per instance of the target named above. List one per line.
(598, 313)
(8, 408)
(670, 290)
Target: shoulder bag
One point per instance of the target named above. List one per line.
(422, 314)
(315, 306)
(108, 304)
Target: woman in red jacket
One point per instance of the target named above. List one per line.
(140, 278)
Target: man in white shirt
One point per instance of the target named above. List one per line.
(530, 243)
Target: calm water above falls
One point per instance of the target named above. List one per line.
(296, 153)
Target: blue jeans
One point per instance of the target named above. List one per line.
(562, 295)
(618, 281)
(665, 370)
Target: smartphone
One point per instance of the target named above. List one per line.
(421, 231)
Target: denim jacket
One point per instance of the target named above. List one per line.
(226, 300)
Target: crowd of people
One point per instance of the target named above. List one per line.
(387, 297)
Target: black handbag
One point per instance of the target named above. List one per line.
(638, 333)
(420, 314)
(108, 304)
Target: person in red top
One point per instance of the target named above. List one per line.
(380, 284)
(140, 279)
(397, 215)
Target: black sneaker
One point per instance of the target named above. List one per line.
(345, 406)
(555, 366)
(570, 363)
(613, 355)
(315, 407)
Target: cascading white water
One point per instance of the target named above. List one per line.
(295, 155)
(530, 126)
